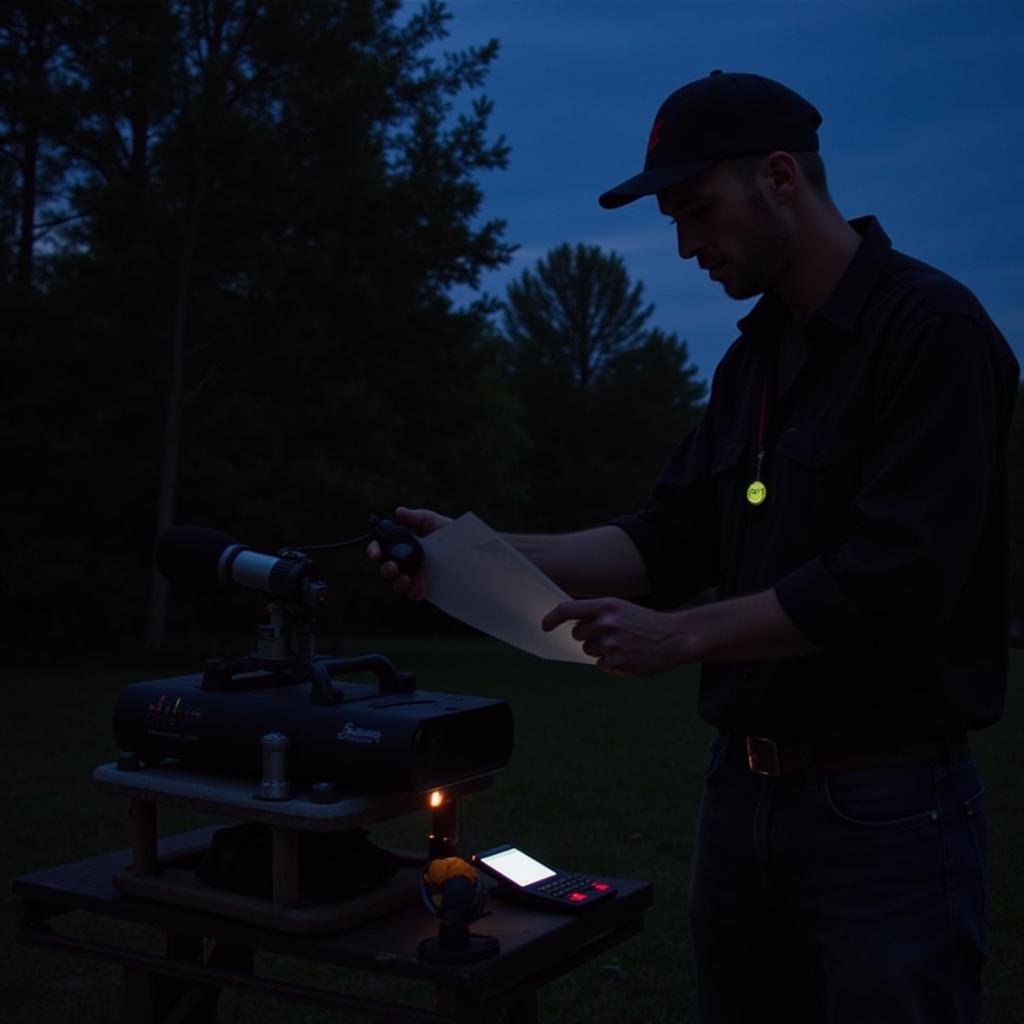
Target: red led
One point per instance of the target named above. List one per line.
(601, 886)
(576, 896)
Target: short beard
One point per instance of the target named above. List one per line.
(769, 252)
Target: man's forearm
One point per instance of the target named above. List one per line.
(601, 561)
(751, 628)
(629, 639)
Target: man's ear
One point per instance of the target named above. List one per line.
(783, 172)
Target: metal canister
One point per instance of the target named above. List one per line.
(275, 784)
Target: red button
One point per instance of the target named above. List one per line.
(576, 897)
(601, 886)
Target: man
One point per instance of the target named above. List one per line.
(846, 492)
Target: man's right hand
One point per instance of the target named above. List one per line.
(422, 522)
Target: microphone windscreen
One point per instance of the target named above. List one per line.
(188, 556)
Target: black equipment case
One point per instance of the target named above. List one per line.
(386, 735)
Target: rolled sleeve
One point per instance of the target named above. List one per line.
(812, 598)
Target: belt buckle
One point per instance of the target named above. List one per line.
(763, 756)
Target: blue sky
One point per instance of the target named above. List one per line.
(922, 105)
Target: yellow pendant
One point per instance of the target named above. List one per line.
(756, 493)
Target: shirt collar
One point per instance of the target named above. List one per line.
(843, 306)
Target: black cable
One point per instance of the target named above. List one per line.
(398, 544)
(336, 544)
(374, 520)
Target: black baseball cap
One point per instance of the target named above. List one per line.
(725, 115)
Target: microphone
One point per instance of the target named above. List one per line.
(208, 561)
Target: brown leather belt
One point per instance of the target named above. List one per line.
(780, 757)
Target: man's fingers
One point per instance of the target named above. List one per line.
(417, 519)
(586, 630)
(407, 517)
(554, 618)
(569, 610)
(389, 570)
(414, 587)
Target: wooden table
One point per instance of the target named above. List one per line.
(177, 785)
(183, 984)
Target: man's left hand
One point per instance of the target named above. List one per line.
(626, 639)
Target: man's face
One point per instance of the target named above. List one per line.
(736, 235)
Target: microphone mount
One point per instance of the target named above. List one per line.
(285, 649)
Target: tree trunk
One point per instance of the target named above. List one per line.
(26, 240)
(156, 624)
(35, 28)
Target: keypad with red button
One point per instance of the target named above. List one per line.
(552, 889)
(571, 890)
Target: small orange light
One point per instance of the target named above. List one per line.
(436, 798)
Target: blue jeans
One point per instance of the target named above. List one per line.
(849, 898)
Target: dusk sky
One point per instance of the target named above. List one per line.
(922, 106)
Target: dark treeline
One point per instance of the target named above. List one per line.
(230, 230)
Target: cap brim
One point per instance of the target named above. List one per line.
(648, 182)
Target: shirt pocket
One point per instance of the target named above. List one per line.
(727, 469)
(731, 472)
(727, 455)
(817, 482)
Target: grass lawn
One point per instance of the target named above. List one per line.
(605, 777)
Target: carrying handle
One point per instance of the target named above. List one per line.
(389, 679)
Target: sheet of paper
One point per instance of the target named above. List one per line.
(475, 576)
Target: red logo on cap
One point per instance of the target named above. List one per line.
(655, 137)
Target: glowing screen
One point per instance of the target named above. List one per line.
(518, 867)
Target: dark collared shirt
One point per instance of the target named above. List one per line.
(885, 527)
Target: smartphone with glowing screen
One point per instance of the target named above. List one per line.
(525, 879)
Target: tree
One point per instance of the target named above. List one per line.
(605, 398)
(245, 321)
(33, 37)
(575, 313)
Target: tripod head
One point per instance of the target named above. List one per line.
(206, 561)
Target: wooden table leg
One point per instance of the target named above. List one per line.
(154, 999)
(523, 1008)
(192, 1004)
(286, 867)
(465, 1008)
(137, 988)
(187, 1001)
(144, 856)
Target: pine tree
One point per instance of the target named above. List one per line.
(605, 397)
